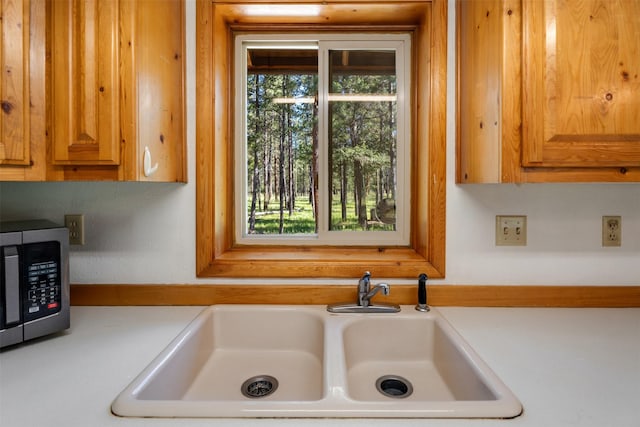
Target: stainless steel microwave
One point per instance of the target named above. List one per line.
(34, 280)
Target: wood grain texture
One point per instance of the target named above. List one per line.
(581, 76)
(435, 25)
(438, 295)
(515, 31)
(216, 253)
(479, 83)
(14, 84)
(489, 116)
(33, 166)
(85, 88)
(204, 135)
(152, 98)
(80, 30)
(159, 81)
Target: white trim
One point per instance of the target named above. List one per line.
(401, 43)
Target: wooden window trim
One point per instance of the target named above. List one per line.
(216, 253)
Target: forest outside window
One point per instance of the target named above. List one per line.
(323, 139)
(226, 243)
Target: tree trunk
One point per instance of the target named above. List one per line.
(281, 180)
(290, 181)
(393, 163)
(314, 167)
(343, 190)
(256, 178)
(267, 175)
(361, 199)
(254, 193)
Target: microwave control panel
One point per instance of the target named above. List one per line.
(42, 285)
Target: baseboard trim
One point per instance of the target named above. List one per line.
(439, 295)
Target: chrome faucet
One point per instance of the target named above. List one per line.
(365, 293)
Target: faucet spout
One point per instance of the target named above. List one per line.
(377, 288)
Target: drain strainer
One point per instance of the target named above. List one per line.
(259, 386)
(394, 386)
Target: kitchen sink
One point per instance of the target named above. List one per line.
(416, 359)
(301, 361)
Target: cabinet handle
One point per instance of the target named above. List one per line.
(148, 169)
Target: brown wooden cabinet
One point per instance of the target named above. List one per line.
(153, 92)
(85, 85)
(118, 102)
(22, 90)
(92, 90)
(548, 91)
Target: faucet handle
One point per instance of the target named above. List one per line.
(363, 283)
(363, 288)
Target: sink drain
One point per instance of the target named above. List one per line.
(259, 386)
(394, 386)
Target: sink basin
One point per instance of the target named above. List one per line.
(419, 362)
(204, 370)
(301, 361)
(234, 345)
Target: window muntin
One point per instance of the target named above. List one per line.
(343, 104)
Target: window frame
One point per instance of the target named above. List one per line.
(217, 253)
(400, 43)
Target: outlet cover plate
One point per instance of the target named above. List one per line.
(75, 224)
(511, 230)
(611, 230)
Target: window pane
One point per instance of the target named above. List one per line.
(362, 139)
(281, 141)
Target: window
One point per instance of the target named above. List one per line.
(322, 139)
(220, 251)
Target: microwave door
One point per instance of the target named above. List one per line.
(11, 327)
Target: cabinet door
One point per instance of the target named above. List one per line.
(85, 82)
(489, 99)
(581, 80)
(14, 84)
(153, 101)
(161, 97)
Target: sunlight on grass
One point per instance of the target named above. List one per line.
(301, 221)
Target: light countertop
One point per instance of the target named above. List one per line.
(568, 367)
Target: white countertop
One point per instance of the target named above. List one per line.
(568, 367)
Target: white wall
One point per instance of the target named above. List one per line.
(145, 233)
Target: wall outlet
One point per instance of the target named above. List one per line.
(611, 231)
(511, 230)
(75, 224)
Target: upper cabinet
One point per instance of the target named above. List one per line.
(93, 90)
(22, 89)
(581, 83)
(153, 90)
(85, 84)
(118, 103)
(548, 91)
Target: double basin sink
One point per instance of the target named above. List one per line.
(302, 361)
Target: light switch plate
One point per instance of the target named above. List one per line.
(511, 230)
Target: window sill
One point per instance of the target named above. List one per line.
(313, 262)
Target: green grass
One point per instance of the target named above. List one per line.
(302, 221)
